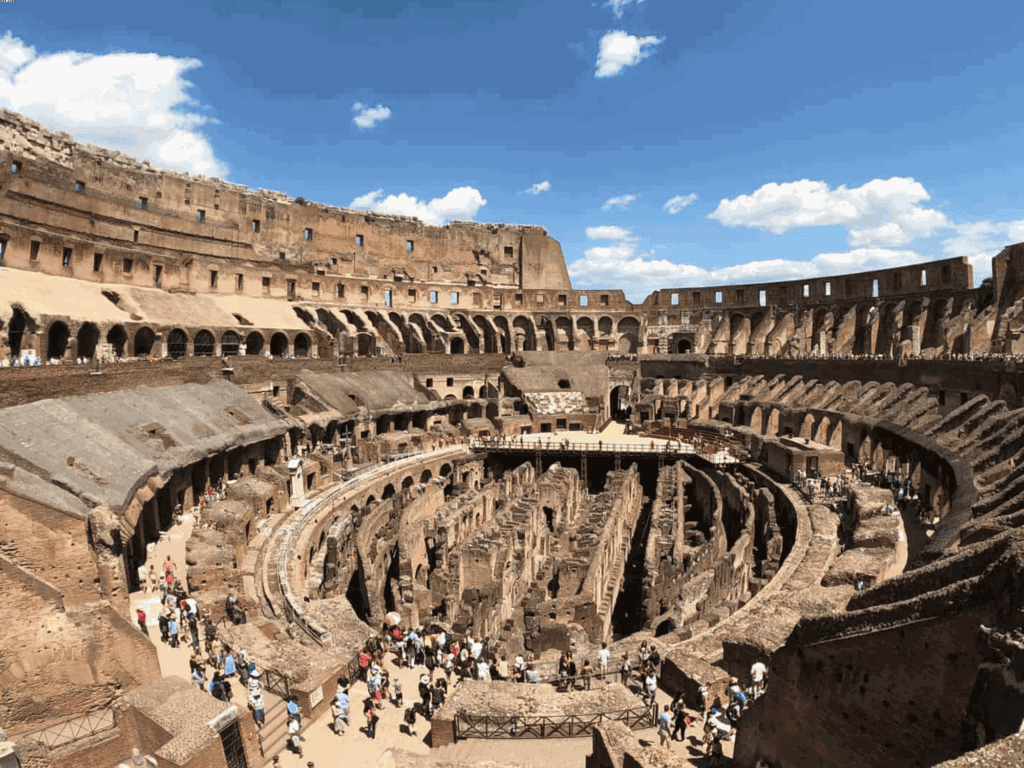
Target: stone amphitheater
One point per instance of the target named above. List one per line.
(431, 422)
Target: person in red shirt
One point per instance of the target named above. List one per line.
(140, 616)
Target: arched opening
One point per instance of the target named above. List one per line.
(177, 344)
(254, 344)
(467, 392)
(446, 469)
(524, 339)
(57, 341)
(88, 338)
(278, 345)
(356, 593)
(302, 345)
(618, 403)
(684, 347)
(407, 483)
(426, 476)
(388, 492)
(202, 345)
(458, 346)
(144, 341)
(16, 332)
(117, 339)
(229, 344)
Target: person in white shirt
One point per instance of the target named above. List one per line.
(758, 673)
(602, 659)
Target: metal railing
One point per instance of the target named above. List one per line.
(73, 729)
(514, 444)
(469, 726)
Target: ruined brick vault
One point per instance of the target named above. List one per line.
(162, 333)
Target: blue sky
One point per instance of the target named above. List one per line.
(662, 143)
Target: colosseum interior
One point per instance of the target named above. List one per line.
(396, 418)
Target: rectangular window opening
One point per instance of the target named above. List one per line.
(126, 266)
(762, 298)
(874, 289)
(387, 298)
(924, 277)
(946, 276)
(239, 282)
(33, 250)
(307, 235)
(433, 297)
(561, 299)
(291, 289)
(66, 258)
(158, 274)
(359, 240)
(412, 294)
(455, 297)
(316, 289)
(828, 288)
(740, 296)
(265, 285)
(201, 216)
(509, 251)
(79, 187)
(696, 298)
(408, 246)
(281, 256)
(135, 236)
(365, 290)
(584, 301)
(718, 297)
(213, 278)
(341, 290)
(807, 291)
(97, 262)
(255, 226)
(675, 299)
(604, 299)
(519, 298)
(15, 167)
(143, 203)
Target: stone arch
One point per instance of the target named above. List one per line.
(88, 337)
(563, 332)
(254, 343)
(739, 334)
(771, 427)
(934, 329)
(426, 476)
(203, 345)
(468, 393)
(143, 342)
(504, 334)
(684, 347)
(407, 482)
(302, 345)
(457, 346)
(469, 331)
(420, 322)
(117, 338)
(585, 325)
(446, 469)
(807, 427)
(821, 431)
(605, 325)
(177, 344)
(755, 421)
(864, 452)
(835, 439)
(278, 345)
(878, 458)
(490, 345)
(57, 340)
(524, 334)
(230, 343)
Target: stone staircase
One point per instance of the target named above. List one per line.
(274, 733)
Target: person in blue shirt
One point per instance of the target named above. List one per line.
(172, 631)
(197, 677)
(664, 722)
(293, 710)
(229, 664)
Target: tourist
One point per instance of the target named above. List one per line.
(531, 673)
(588, 672)
(396, 696)
(644, 653)
(229, 664)
(370, 713)
(338, 716)
(342, 697)
(169, 566)
(197, 677)
(172, 630)
(650, 687)
(364, 661)
(518, 669)
(140, 617)
(293, 710)
(295, 738)
(257, 707)
(424, 691)
(602, 659)
(438, 694)
(501, 669)
(681, 719)
(664, 721)
(154, 579)
(572, 671)
(758, 675)
(626, 670)
(410, 719)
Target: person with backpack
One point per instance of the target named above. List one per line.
(410, 719)
(370, 712)
(681, 720)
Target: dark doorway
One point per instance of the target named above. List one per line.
(234, 751)
(15, 332)
(684, 347)
(618, 406)
(57, 341)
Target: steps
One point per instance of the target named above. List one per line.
(274, 733)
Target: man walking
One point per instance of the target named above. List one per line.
(602, 659)
(664, 720)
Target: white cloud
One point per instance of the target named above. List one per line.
(680, 203)
(979, 241)
(367, 117)
(460, 204)
(609, 233)
(881, 212)
(618, 202)
(536, 189)
(620, 50)
(137, 103)
(639, 272)
(618, 5)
